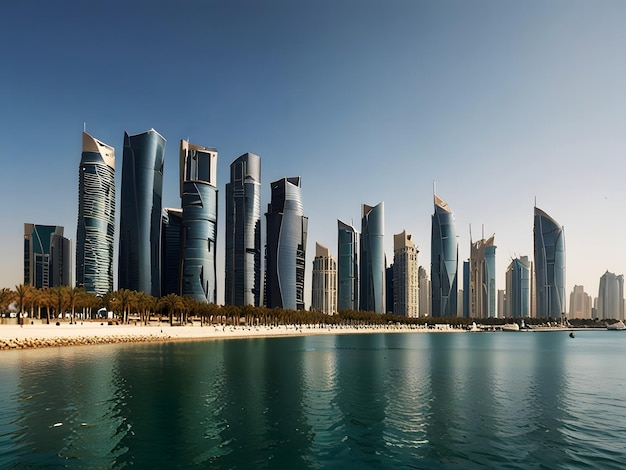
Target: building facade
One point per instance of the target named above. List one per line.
(347, 267)
(95, 233)
(405, 276)
(198, 192)
(243, 232)
(324, 282)
(285, 250)
(372, 290)
(171, 250)
(47, 256)
(549, 244)
(482, 283)
(580, 303)
(611, 297)
(140, 214)
(518, 288)
(424, 292)
(444, 261)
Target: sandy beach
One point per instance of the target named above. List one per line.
(85, 333)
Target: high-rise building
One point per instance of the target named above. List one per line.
(549, 266)
(171, 233)
(47, 256)
(285, 246)
(518, 288)
(347, 267)
(405, 276)
(443, 261)
(96, 217)
(611, 297)
(501, 301)
(466, 289)
(324, 286)
(243, 232)
(198, 191)
(424, 292)
(482, 285)
(140, 215)
(372, 259)
(580, 303)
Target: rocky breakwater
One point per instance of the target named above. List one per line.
(32, 343)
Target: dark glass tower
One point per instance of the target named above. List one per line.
(285, 246)
(243, 232)
(347, 267)
(140, 215)
(47, 256)
(549, 266)
(444, 257)
(198, 186)
(171, 233)
(96, 217)
(372, 260)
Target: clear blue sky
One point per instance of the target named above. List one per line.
(498, 101)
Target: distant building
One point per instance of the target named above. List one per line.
(549, 244)
(466, 289)
(580, 303)
(324, 282)
(444, 261)
(286, 246)
(243, 232)
(372, 259)
(198, 191)
(140, 216)
(518, 288)
(405, 276)
(611, 297)
(389, 288)
(501, 302)
(47, 256)
(95, 233)
(347, 267)
(482, 285)
(171, 250)
(424, 292)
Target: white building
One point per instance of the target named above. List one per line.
(324, 295)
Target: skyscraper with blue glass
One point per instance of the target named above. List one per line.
(285, 246)
(171, 234)
(549, 266)
(444, 257)
(96, 217)
(482, 283)
(518, 288)
(243, 232)
(373, 288)
(347, 267)
(140, 215)
(47, 256)
(198, 190)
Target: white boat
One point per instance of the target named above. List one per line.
(619, 326)
(510, 327)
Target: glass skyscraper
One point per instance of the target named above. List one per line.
(347, 267)
(285, 246)
(444, 257)
(518, 288)
(243, 232)
(372, 260)
(171, 233)
(47, 256)
(549, 266)
(140, 215)
(198, 186)
(96, 217)
(482, 285)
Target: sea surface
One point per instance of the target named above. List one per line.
(404, 400)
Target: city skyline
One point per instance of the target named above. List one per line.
(489, 99)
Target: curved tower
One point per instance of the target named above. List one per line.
(286, 246)
(140, 215)
(243, 232)
(482, 279)
(444, 257)
(198, 190)
(347, 267)
(372, 275)
(549, 266)
(96, 217)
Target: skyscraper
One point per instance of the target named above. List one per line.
(171, 250)
(96, 217)
(549, 266)
(243, 232)
(198, 190)
(285, 246)
(47, 256)
(140, 215)
(372, 259)
(405, 276)
(611, 297)
(482, 285)
(324, 282)
(580, 303)
(347, 267)
(443, 261)
(518, 288)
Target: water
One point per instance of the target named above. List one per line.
(473, 400)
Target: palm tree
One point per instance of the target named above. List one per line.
(123, 300)
(74, 296)
(172, 303)
(7, 296)
(59, 300)
(145, 304)
(22, 294)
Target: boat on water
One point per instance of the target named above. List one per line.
(619, 326)
(473, 327)
(510, 327)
